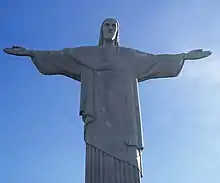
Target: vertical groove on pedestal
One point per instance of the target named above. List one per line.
(103, 168)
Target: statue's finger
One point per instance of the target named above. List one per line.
(5, 50)
(207, 52)
(198, 50)
(16, 46)
(9, 50)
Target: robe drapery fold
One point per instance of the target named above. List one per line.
(109, 103)
(57, 63)
(104, 168)
(150, 66)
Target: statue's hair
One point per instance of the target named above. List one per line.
(101, 38)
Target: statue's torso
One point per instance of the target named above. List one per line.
(108, 94)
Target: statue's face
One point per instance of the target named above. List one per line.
(110, 29)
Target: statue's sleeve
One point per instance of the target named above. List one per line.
(150, 66)
(60, 62)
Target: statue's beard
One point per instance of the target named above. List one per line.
(109, 40)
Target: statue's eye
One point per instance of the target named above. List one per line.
(106, 24)
(114, 25)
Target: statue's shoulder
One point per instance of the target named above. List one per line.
(125, 50)
(86, 55)
(129, 51)
(81, 50)
(133, 52)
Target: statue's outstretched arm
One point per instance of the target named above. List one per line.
(150, 66)
(50, 62)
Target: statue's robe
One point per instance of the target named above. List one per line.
(109, 103)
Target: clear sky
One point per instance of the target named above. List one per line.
(41, 134)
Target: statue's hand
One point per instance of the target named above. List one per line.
(18, 51)
(197, 54)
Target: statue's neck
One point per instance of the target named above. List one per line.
(110, 48)
(109, 44)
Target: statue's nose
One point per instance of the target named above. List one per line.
(110, 29)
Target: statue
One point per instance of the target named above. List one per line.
(109, 106)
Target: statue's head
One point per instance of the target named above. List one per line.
(109, 31)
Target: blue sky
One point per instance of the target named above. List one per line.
(41, 134)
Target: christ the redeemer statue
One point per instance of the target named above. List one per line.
(109, 105)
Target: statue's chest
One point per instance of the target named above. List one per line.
(101, 59)
(105, 62)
